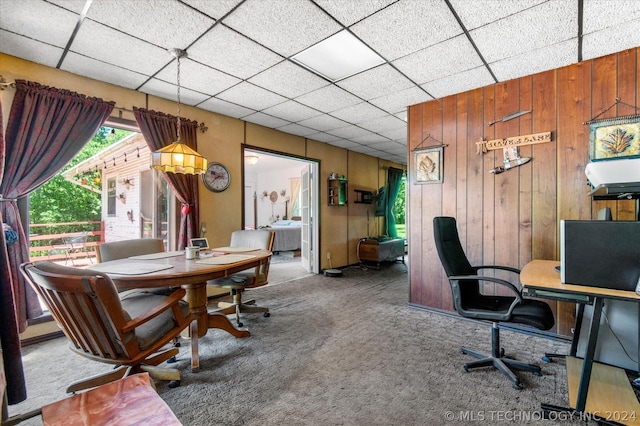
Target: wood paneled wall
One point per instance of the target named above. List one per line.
(513, 217)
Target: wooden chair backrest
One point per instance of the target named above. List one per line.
(86, 306)
(258, 239)
(127, 248)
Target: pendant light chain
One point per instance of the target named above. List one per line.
(178, 78)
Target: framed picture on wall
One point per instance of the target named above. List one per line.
(428, 165)
(612, 138)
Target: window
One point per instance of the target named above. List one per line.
(111, 197)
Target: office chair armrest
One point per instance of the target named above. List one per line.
(517, 295)
(168, 304)
(502, 268)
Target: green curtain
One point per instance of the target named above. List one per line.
(394, 180)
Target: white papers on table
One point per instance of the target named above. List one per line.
(129, 268)
(159, 255)
(226, 259)
(234, 249)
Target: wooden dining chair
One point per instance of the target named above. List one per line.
(238, 283)
(128, 330)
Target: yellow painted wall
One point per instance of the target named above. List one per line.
(340, 227)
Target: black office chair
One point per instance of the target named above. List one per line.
(471, 303)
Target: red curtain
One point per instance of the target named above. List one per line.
(160, 130)
(47, 127)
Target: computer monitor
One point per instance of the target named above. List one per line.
(600, 253)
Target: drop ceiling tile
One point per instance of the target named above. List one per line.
(535, 61)
(381, 124)
(323, 137)
(225, 108)
(166, 25)
(170, 91)
(424, 23)
(328, 99)
(396, 134)
(215, 9)
(458, 83)
(396, 149)
(358, 113)
(251, 96)
(34, 19)
(477, 13)
(323, 123)
(343, 143)
(363, 149)
(402, 115)
(399, 101)
(349, 132)
(288, 79)
(296, 129)
(443, 59)
(372, 140)
(292, 111)
(379, 143)
(97, 70)
(599, 15)
(75, 6)
(350, 12)
(555, 22)
(230, 52)
(265, 120)
(113, 47)
(376, 82)
(29, 49)
(612, 39)
(286, 27)
(198, 77)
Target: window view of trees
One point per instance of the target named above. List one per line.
(399, 212)
(62, 201)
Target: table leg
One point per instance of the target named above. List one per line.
(197, 298)
(587, 363)
(195, 355)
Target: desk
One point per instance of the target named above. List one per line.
(193, 277)
(539, 279)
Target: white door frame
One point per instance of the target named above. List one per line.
(313, 250)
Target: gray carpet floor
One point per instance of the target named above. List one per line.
(337, 351)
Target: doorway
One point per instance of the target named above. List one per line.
(281, 194)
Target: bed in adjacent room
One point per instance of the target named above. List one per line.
(288, 235)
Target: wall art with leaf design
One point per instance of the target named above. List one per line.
(614, 138)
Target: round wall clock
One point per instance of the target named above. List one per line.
(216, 178)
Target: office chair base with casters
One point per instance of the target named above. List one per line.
(238, 307)
(498, 360)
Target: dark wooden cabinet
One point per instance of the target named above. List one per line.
(374, 251)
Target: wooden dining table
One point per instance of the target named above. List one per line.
(172, 269)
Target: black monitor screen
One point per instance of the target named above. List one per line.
(600, 253)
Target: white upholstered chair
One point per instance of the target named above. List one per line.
(238, 283)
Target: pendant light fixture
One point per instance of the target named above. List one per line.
(178, 157)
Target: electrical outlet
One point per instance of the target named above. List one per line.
(328, 255)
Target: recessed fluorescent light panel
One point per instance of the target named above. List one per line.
(339, 56)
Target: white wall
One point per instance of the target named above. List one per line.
(273, 180)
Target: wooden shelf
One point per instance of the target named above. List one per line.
(610, 393)
(337, 191)
(363, 197)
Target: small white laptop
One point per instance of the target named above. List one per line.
(203, 243)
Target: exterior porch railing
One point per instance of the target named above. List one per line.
(65, 241)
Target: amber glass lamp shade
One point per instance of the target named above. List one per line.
(178, 158)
